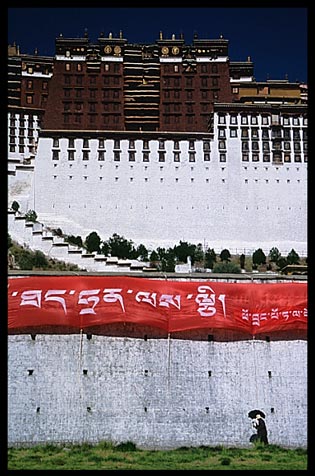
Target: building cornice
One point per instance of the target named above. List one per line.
(260, 107)
(122, 134)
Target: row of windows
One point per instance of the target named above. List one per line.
(167, 68)
(176, 179)
(204, 68)
(29, 132)
(204, 82)
(112, 93)
(190, 95)
(78, 93)
(21, 140)
(80, 107)
(108, 119)
(131, 156)
(180, 118)
(131, 144)
(276, 145)
(31, 121)
(145, 167)
(276, 156)
(30, 84)
(266, 119)
(78, 80)
(176, 167)
(22, 149)
(266, 146)
(38, 68)
(265, 133)
(29, 99)
(114, 67)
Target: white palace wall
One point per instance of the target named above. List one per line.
(229, 204)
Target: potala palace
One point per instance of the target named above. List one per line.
(158, 143)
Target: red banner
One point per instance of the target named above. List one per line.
(80, 302)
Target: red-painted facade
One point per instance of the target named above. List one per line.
(114, 85)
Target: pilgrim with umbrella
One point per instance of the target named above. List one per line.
(259, 424)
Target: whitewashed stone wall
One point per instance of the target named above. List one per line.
(157, 392)
(228, 204)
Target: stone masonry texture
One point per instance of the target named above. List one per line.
(157, 391)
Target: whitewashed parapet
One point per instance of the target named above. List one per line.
(111, 260)
(74, 256)
(25, 168)
(139, 265)
(47, 235)
(17, 230)
(59, 240)
(124, 263)
(12, 164)
(100, 261)
(14, 160)
(11, 169)
(38, 243)
(11, 217)
(58, 251)
(37, 227)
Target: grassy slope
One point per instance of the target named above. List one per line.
(127, 456)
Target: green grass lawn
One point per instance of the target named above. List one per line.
(126, 456)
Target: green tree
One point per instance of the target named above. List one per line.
(58, 231)
(74, 240)
(105, 248)
(154, 257)
(15, 206)
(168, 261)
(25, 260)
(293, 257)
(282, 262)
(183, 250)
(10, 242)
(226, 267)
(120, 246)
(31, 215)
(162, 253)
(133, 254)
(225, 255)
(92, 242)
(199, 254)
(142, 253)
(210, 258)
(259, 257)
(40, 260)
(242, 261)
(274, 255)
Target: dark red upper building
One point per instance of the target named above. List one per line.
(114, 85)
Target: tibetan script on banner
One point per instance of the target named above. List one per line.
(80, 302)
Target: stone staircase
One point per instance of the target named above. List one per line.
(37, 236)
(18, 164)
(68, 226)
(20, 179)
(40, 235)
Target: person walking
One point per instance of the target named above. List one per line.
(260, 425)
